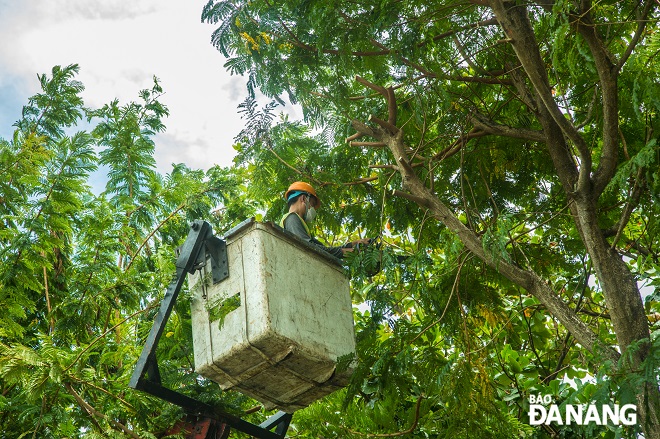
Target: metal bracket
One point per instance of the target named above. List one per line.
(217, 249)
(146, 376)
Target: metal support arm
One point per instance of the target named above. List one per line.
(146, 376)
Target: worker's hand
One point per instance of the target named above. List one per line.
(345, 250)
(361, 243)
(355, 245)
(364, 241)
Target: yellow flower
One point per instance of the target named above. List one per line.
(266, 37)
(249, 41)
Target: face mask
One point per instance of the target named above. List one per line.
(310, 213)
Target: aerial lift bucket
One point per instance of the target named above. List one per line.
(272, 318)
(279, 327)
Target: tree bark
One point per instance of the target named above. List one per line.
(526, 279)
(582, 182)
(627, 312)
(619, 287)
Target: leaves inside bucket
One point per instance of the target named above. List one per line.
(218, 309)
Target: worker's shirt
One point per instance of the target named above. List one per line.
(296, 225)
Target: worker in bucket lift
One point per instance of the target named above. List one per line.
(303, 203)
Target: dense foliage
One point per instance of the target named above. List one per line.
(81, 272)
(503, 154)
(506, 154)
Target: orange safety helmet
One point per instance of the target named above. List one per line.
(301, 186)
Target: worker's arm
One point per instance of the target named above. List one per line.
(293, 224)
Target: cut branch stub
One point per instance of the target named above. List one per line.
(391, 129)
(387, 93)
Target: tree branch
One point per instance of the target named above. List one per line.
(488, 126)
(480, 80)
(484, 23)
(416, 191)
(517, 27)
(153, 232)
(392, 129)
(607, 75)
(518, 78)
(641, 25)
(560, 153)
(630, 206)
(527, 279)
(387, 93)
(384, 50)
(49, 308)
(353, 137)
(458, 144)
(360, 181)
(95, 413)
(106, 332)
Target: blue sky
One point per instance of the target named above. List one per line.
(120, 45)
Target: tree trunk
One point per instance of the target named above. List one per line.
(584, 186)
(626, 310)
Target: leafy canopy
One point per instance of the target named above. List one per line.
(82, 273)
(506, 154)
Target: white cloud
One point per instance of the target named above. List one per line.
(120, 46)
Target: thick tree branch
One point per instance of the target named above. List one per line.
(377, 88)
(466, 57)
(416, 191)
(627, 312)
(488, 126)
(516, 25)
(386, 125)
(518, 78)
(387, 93)
(607, 74)
(355, 136)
